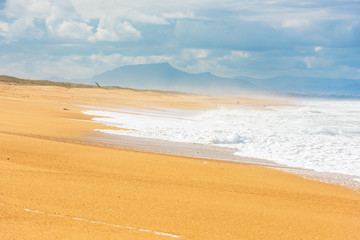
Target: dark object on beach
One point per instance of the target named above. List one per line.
(98, 85)
(66, 109)
(8, 158)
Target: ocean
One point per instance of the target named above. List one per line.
(317, 134)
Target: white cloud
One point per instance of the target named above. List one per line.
(195, 53)
(179, 15)
(116, 60)
(135, 11)
(21, 25)
(28, 8)
(318, 49)
(294, 23)
(25, 28)
(51, 23)
(38, 6)
(4, 26)
(97, 9)
(315, 62)
(76, 30)
(59, 17)
(309, 61)
(112, 29)
(4, 29)
(133, 60)
(234, 56)
(137, 16)
(241, 54)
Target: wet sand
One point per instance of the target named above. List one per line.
(208, 152)
(55, 185)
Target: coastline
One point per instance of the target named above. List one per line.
(212, 153)
(56, 185)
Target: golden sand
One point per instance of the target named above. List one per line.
(52, 187)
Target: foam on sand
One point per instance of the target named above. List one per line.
(321, 135)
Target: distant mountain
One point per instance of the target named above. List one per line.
(308, 85)
(163, 76)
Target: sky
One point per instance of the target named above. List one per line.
(75, 39)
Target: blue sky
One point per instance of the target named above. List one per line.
(254, 38)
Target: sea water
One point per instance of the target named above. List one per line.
(322, 135)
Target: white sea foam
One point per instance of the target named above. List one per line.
(320, 135)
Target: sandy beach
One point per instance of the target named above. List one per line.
(55, 185)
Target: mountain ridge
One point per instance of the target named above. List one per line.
(163, 76)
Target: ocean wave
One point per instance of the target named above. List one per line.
(319, 135)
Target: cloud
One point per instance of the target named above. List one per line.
(179, 15)
(295, 23)
(133, 60)
(38, 7)
(27, 8)
(317, 49)
(115, 60)
(195, 53)
(4, 29)
(230, 35)
(113, 30)
(235, 57)
(134, 11)
(141, 17)
(24, 28)
(108, 29)
(75, 30)
(240, 54)
(254, 38)
(316, 62)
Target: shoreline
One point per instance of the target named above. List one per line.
(212, 153)
(195, 151)
(198, 150)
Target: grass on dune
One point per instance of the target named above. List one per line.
(9, 80)
(27, 82)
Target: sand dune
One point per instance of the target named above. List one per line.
(54, 186)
